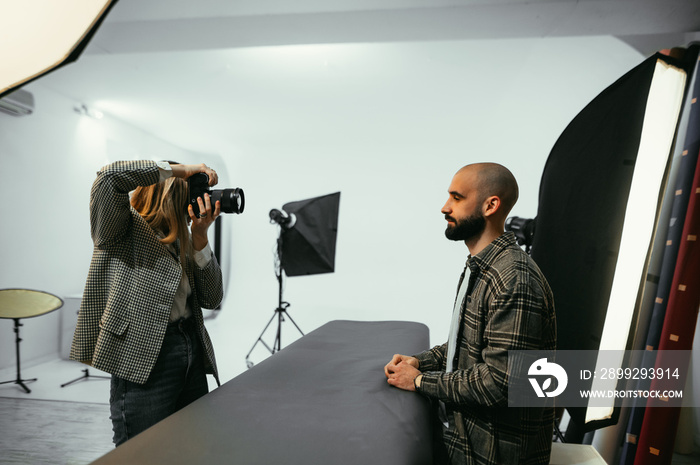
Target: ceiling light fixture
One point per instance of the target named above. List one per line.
(83, 109)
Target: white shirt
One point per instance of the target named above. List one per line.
(181, 308)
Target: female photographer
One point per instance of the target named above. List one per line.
(140, 317)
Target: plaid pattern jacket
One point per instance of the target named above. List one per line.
(132, 281)
(509, 306)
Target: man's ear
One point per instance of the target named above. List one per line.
(491, 205)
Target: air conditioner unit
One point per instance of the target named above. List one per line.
(17, 103)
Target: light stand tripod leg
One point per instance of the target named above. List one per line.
(280, 312)
(19, 379)
(248, 363)
(21, 383)
(86, 376)
(295, 324)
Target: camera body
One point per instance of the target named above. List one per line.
(232, 200)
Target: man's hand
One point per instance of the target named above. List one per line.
(401, 371)
(398, 358)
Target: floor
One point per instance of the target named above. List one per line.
(51, 375)
(69, 425)
(54, 425)
(43, 432)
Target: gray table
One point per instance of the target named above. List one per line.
(322, 400)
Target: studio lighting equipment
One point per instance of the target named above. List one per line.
(601, 197)
(44, 35)
(524, 230)
(285, 220)
(306, 245)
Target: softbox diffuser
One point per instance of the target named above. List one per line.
(308, 247)
(599, 201)
(39, 36)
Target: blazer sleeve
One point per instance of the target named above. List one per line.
(110, 216)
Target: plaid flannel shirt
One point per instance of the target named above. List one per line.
(509, 306)
(132, 282)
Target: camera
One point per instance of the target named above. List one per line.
(232, 200)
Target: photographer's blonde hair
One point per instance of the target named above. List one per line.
(164, 207)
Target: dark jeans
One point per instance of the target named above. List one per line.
(177, 379)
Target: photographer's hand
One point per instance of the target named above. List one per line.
(201, 225)
(185, 171)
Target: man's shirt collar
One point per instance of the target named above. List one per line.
(483, 260)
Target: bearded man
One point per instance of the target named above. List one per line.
(503, 303)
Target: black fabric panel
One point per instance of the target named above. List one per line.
(582, 201)
(322, 400)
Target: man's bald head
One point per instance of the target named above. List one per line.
(494, 179)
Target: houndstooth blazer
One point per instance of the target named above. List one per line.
(132, 281)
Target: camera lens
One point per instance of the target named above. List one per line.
(232, 200)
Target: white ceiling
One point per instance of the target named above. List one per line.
(138, 26)
(211, 74)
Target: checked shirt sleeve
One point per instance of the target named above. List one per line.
(513, 322)
(433, 359)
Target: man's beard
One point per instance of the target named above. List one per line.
(469, 228)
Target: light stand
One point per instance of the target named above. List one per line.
(280, 311)
(19, 379)
(305, 246)
(86, 376)
(16, 304)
